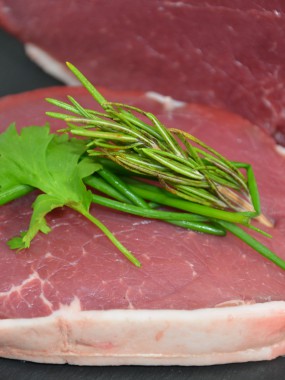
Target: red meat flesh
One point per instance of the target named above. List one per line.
(180, 269)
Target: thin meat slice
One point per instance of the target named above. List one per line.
(198, 299)
(227, 54)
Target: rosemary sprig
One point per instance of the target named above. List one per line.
(183, 164)
(195, 177)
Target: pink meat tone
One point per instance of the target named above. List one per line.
(228, 54)
(196, 300)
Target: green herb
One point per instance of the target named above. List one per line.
(183, 164)
(121, 146)
(200, 179)
(38, 159)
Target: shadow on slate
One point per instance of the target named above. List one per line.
(19, 370)
(17, 72)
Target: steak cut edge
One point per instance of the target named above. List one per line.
(197, 300)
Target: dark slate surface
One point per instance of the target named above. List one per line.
(17, 72)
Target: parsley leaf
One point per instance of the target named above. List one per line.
(54, 164)
(50, 163)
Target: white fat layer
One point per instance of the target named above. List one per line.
(50, 65)
(148, 337)
(281, 150)
(168, 103)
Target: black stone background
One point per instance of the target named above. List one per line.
(18, 74)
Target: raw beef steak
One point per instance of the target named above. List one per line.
(197, 299)
(223, 53)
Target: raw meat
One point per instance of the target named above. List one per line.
(222, 53)
(197, 300)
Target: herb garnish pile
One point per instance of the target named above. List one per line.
(118, 148)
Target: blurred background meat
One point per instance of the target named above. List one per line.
(228, 54)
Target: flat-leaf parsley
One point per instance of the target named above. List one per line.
(54, 164)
